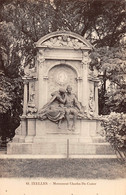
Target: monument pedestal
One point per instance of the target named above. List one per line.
(49, 140)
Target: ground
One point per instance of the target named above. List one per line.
(63, 168)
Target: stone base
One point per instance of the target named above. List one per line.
(63, 148)
(44, 137)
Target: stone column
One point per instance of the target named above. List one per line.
(23, 118)
(41, 83)
(79, 82)
(45, 86)
(85, 90)
(25, 101)
(31, 93)
(96, 98)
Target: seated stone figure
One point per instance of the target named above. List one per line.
(72, 107)
(54, 109)
(63, 104)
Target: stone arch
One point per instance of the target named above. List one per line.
(65, 35)
(65, 63)
(63, 48)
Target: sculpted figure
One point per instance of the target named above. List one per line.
(72, 106)
(54, 109)
(63, 104)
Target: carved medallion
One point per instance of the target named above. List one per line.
(61, 77)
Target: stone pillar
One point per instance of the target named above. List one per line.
(96, 98)
(42, 91)
(79, 82)
(23, 118)
(31, 93)
(25, 101)
(45, 85)
(42, 99)
(85, 90)
(85, 87)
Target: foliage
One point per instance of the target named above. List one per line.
(102, 22)
(11, 89)
(11, 93)
(6, 93)
(115, 131)
(111, 64)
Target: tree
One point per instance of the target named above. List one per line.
(111, 63)
(102, 22)
(22, 23)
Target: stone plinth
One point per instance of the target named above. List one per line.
(49, 140)
(53, 148)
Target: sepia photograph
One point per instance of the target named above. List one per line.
(63, 97)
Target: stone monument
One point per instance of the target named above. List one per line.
(61, 65)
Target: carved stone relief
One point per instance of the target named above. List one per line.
(64, 41)
(31, 109)
(61, 76)
(76, 65)
(32, 92)
(91, 103)
(40, 57)
(85, 59)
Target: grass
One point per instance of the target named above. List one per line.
(62, 168)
